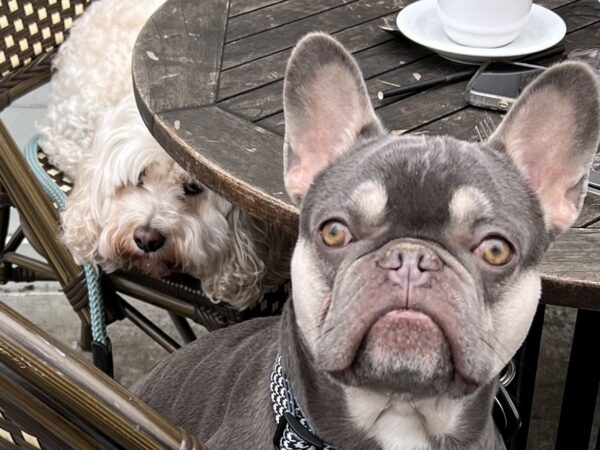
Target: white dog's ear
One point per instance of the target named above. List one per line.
(326, 110)
(552, 134)
(80, 227)
(238, 276)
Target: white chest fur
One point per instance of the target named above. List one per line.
(401, 425)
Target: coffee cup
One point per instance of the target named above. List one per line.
(483, 23)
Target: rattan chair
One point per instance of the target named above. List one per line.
(30, 33)
(51, 398)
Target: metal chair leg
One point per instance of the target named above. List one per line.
(522, 388)
(581, 386)
(85, 339)
(4, 222)
(183, 327)
(146, 325)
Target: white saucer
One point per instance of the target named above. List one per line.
(420, 23)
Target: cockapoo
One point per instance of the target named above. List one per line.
(132, 206)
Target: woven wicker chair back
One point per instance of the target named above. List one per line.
(30, 33)
(13, 435)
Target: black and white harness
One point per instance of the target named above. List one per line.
(294, 432)
(293, 429)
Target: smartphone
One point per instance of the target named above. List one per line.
(497, 84)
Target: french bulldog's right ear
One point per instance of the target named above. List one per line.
(326, 110)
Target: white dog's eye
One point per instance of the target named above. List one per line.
(192, 189)
(140, 181)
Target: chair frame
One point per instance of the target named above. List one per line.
(53, 394)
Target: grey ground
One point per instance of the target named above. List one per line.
(135, 353)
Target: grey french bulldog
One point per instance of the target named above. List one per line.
(414, 276)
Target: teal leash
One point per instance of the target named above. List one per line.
(101, 346)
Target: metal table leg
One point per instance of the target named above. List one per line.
(581, 386)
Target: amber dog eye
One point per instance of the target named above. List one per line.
(192, 189)
(335, 234)
(494, 251)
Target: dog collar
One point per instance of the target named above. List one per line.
(294, 432)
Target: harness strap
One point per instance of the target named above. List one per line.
(101, 347)
(294, 432)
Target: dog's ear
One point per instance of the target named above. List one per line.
(552, 134)
(326, 110)
(80, 228)
(237, 272)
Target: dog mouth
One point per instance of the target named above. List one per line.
(402, 333)
(388, 338)
(393, 328)
(412, 334)
(154, 267)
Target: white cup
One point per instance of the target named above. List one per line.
(483, 23)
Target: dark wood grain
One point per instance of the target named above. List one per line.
(281, 38)
(178, 55)
(559, 292)
(590, 213)
(396, 63)
(276, 15)
(585, 37)
(460, 124)
(271, 68)
(574, 257)
(267, 101)
(579, 14)
(553, 4)
(238, 7)
(231, 156)
(411, 110)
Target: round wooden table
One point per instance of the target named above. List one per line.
(208, 78)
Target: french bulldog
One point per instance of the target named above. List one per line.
(415, 274)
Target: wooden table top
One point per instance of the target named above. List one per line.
(208, 79)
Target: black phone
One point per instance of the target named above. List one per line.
(497, 84)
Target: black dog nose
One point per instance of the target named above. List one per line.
(148, 239)
(410, 262)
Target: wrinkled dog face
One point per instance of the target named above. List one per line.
(415, 259)
(415, 268)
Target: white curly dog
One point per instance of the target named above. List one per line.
(132, 206)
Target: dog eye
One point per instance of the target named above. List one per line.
(192, 189)
(140, 181)
(494, 251)
(335, 234)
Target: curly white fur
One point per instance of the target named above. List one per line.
(93, 72)
(124, 179)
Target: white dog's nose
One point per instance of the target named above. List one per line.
(148, 239)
